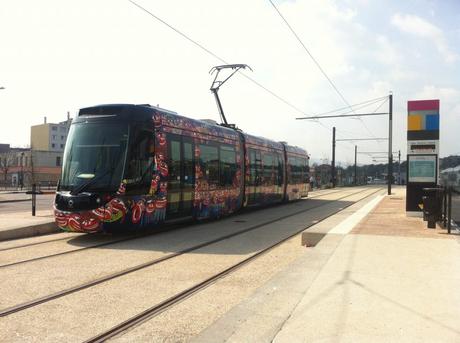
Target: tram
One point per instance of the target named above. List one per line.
(134, 166)
(450, 177)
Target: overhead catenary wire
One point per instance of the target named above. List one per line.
(367, 102)
(202, 47)
(214, 55)
(209, 52)
(317, 64)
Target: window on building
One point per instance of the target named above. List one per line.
(53, 145)
(58, 161)
(62, 146)
(54, 128)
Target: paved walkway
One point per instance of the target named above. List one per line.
(386, 279)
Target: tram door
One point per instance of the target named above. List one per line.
(181, 176)
(254, 176)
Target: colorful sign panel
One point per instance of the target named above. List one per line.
(423, 120)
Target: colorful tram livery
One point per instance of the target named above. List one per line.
(132, 166)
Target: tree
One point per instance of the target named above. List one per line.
(7, 160)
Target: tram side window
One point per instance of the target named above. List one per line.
(296, 170)
(189, 170)
(209, 160)
(227, 165)
(139, 164)
(252, 167)
(291, 170)
(279, 168)
(300, 169)
(255, 168)
(305, 171)
(174, 164)
(268, 169)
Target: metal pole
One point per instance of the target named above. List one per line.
(399, 167)
(445, 207)
(34, 198)
(390, 138)
(219, 106)
(333, 158)
(356, 170)
(449, 210)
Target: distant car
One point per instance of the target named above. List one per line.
(378, 182)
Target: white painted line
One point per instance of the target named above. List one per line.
(348, 224)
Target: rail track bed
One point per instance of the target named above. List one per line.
(100, 293)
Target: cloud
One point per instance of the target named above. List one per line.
(422, 28)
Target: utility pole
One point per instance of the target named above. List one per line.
(390, 139)
(333, 158)
(355, 181)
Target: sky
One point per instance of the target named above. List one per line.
(58, 56)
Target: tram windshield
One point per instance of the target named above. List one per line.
(94, 157)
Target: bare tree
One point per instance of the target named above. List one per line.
(7, 160)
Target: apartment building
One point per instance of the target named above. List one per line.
(49, 136)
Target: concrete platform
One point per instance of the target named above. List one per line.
(380, 277)
(22, 224)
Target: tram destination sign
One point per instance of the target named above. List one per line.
(423, 147)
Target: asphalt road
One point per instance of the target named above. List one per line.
(44, 202)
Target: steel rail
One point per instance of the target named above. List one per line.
(171, 227)
(175, 299)
(31, 244)
(32, 303)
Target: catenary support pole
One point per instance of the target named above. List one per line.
(333, 158)
(449, 210)
(390, 138)
(355, 180)
(34, 198)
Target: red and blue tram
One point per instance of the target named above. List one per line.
(133, 166)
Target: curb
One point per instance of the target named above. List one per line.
(16, 200)
(29, 231)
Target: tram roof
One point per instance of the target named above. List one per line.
(172, 119)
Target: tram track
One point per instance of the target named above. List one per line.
(67, 238)
(33, 244)
(158, 308)
(82, 286)
(121, 240)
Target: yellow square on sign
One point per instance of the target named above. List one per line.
(414, 122)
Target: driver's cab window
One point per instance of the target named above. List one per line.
(139, 163)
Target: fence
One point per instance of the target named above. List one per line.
(42, 185)
(450, 209)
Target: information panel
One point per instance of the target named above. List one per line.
(422, 168)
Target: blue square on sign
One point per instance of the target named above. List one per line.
(432, 122)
